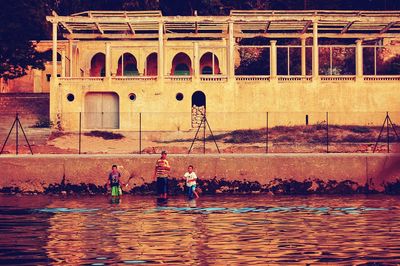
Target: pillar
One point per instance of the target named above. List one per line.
(108, 60)
(231, 53)
(303, 57)
(196, 60)
(315, 54)
(160, 54)
(359, 60)
(273, 61)
(54, 74)
(70, 52)
(63, 63)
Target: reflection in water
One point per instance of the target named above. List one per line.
(222, 230)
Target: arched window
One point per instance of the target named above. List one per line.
(181, 65)
(97, 65)
(209, 64)
(127, 65)
(151, 65)
(199, 99)
(182, 70)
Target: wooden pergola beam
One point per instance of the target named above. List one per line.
(346, 28)
(388, 26)
(304, 30)
(267, 26)
(66, 27)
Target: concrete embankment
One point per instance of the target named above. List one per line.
(230, 173)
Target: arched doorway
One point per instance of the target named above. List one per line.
(181, 65)
(151, 65)
(209, 64)
(127, 65)
(97, 65)
(198, 108)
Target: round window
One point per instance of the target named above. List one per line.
(179, 96)
(132, 97)
(70, 97)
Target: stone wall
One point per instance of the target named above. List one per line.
(251, 173)
(26, 104)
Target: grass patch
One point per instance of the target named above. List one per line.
(359, 129)
(245, 136)
(104, 134)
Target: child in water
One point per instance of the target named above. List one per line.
(191, 182)
(114, 181)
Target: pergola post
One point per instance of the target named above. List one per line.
(231, 52)
(303, 57)
(315, 53)
(196, 60)
(63, 63)
(108, 60)
(54, 74)
(359, 60)
(160, 54)
(273, 60)
(70, 53)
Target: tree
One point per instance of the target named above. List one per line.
(24, 20)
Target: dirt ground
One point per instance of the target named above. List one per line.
(280, 140)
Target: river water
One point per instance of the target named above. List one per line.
(219, 230)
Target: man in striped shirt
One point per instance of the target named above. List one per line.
(161, 171)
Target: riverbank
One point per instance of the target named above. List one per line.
(218, 173)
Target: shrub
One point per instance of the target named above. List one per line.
(43, 122)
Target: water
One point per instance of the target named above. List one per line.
(220, 230)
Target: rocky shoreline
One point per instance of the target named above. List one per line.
(216, 186)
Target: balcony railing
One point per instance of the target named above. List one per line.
(381, 78)
(215, 78)
(130, 78)
(252, 78)
(294, 78)
(247, 78)
(338, 78)
(179, 78)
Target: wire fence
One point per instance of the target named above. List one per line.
(215, 132)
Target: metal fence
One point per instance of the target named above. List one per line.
(216, 132)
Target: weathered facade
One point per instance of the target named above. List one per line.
(116, 65)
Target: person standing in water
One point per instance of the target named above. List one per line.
(114, 182)
(191, 178)
(161, 174)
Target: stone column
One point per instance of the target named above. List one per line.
(231, 53)
(196, 60)
(63, 63)
(160, 54)
(108, 60)
(359, 60)
(54, 74)
(315, 53)
(273, 61)
(70, 53)
(303, 57)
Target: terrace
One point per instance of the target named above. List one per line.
(245, 46)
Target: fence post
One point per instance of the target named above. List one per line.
(80, 132)
(327, 133)
(140, 133)
(16, 134)
(387, 132)
(267, 134)
(204, 134)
